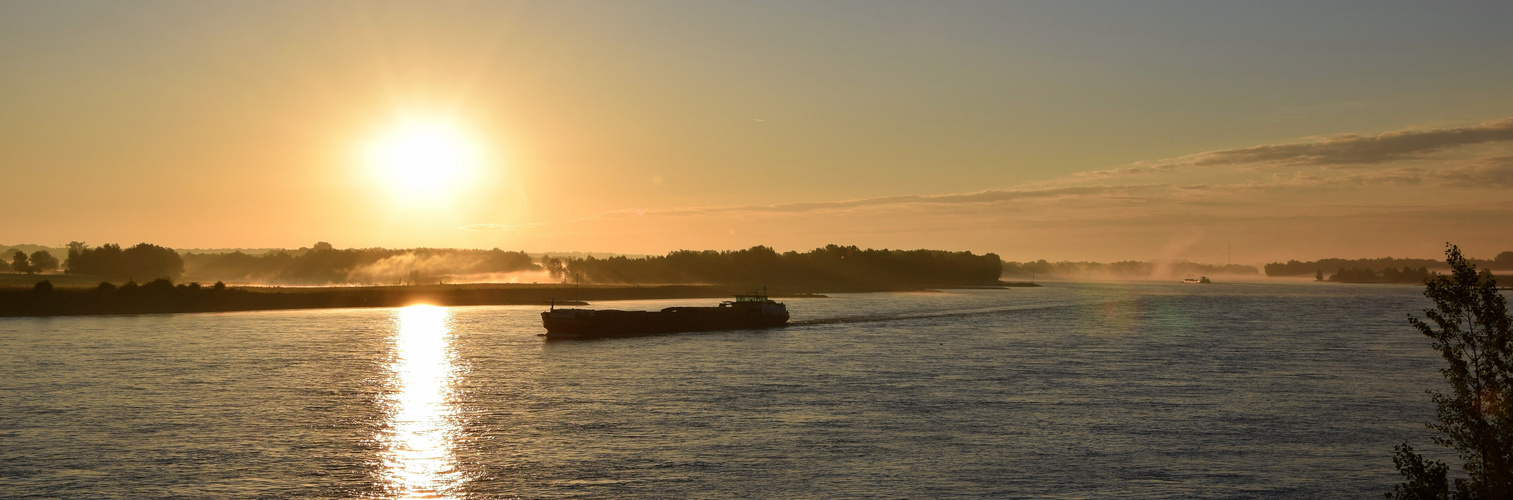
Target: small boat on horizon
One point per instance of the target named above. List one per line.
(1201, 280)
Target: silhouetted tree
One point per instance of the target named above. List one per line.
(112, 263)
(160, 285)
(42, 262)
(323, 264)
(1470, 328)
(1503, 261)
(554, 266)
(43, 287)
(832, 265)
(1318, 275)
(75, 248)
(19, 263)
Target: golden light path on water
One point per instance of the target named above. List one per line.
(418, 456)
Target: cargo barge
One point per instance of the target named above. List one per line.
(748, 311)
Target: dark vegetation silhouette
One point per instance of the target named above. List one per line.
(833, 267)
(682, 274)
(555, 267)
(42, 261)
(1470, 327)
(323, 264)
(1388, 275)
(112, 263)
(1298, 268)
(19, 262)
(1124, 268)
(164, 296)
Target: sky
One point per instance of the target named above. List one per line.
(1208, 131)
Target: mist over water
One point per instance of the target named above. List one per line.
(1071, 390)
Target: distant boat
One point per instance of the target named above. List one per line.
(1201, 280)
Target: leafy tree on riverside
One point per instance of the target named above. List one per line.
(42, 262)
(19, 263)
(1503, 260)
(110, 262)
(832, 265)
(554, 267)
(324, 264)
(1470, 328)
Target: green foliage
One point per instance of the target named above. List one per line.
(324, 264)
(1127, 268)
(1422, 479)
(19, 263)
(1503, 261)
(831, 266)
(110, 262)
(554, 267)
(1388, 275)
(1470, 327)
(42, 261)
(1296, 268)
(160, 285)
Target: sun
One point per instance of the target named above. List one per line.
(423, 160)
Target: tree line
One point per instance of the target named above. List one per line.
(1388, 275)
(1124, 268)
(324, 264)
(40, 261)
(832, 266)
(1503, 260)
(110, 262)
(320, 265)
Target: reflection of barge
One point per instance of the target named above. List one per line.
(747, 311)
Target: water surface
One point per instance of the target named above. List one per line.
(1139, 390)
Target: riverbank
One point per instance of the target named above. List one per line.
(185, 299)
(158, 298)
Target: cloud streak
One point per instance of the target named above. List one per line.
(1332, 151)
(980, 197)
(1493, 172)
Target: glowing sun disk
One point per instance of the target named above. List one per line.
(423, 158)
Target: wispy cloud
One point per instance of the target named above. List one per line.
(980, 197)
(1492, 172)
(1405, 176)
(1232, 194)
(1331, 151)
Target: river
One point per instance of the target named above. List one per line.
(1073, 390)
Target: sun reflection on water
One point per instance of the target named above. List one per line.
(418, 456)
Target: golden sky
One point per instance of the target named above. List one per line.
(1059, 130)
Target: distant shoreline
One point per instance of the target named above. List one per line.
(25, 302)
